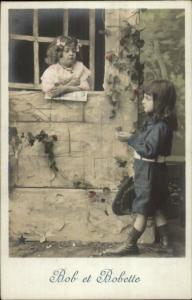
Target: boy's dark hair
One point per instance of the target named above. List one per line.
(55, 49)
(164, 96)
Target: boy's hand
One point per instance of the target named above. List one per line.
(122, 135)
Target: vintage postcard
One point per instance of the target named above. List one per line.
(96, 154)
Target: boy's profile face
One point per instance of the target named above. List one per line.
(148, 103)
(69, 55)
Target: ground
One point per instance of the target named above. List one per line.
(79, 249)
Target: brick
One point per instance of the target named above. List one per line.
(112, 17)
(13, 171)
(61, 146)
(34, 171)
(97, 109)
(83, 137)
(111, 146)
(65, 215)
(107, 173)
(29, 107)
(88, 137)
(92, 149)
(71, 170)
(112, 40)
(67, 111)
(129, 15)
(33, 127)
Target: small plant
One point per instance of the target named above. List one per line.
(48, 142)
(14, 140)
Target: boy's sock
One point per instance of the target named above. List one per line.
(163, 233)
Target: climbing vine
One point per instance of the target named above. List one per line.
(126, 70)
(48, 143)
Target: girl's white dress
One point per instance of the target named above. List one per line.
(56, 74)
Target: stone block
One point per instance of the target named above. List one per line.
(34, 171)
(107, 173)
(61, 146)
(87, 152)
(111, 17)
(129, 15)
(97, 109)
(33, 127)
(13, 171)
(65, 215)
(67, 111)
(83, 138)
(86, 138)
(71, 172)
(129, 110)
(112, 39)
(111, 146)
(118, 151)
(29, 106)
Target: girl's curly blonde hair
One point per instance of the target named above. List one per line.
(55, 49)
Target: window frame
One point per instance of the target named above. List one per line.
(36, 39)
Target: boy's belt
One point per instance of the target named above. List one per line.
(159, 159)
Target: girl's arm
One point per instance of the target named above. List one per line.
(85, 79)
(50, 83)
(72, 86)
(85, 86)
(63, 89)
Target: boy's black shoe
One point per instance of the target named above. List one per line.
(128, 248)
(164, 241)
(123, 250)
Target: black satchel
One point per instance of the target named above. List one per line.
(122, 204)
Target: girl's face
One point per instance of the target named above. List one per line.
(69, 56)
(148, 104)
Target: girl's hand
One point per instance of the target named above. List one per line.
(74, 82)
(122, 135)
(56, 91)
(66, 81)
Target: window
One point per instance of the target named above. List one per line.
(32, 30)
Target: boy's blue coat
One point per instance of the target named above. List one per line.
(151, 180)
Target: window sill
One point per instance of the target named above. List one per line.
(22, 92)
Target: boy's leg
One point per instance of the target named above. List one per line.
(140, 222)
(162, 228)
(130, 246)
(160, 219)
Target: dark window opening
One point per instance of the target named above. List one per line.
(50, 22)
(21, 21)
(79, 23)
(42, 55)
(99, 49)
(21, 68)
(84, 55)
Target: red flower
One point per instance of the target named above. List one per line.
(109, 56)
(91, 194)
(136, 92)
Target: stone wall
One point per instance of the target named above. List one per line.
(87, 152)
(45, 206)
